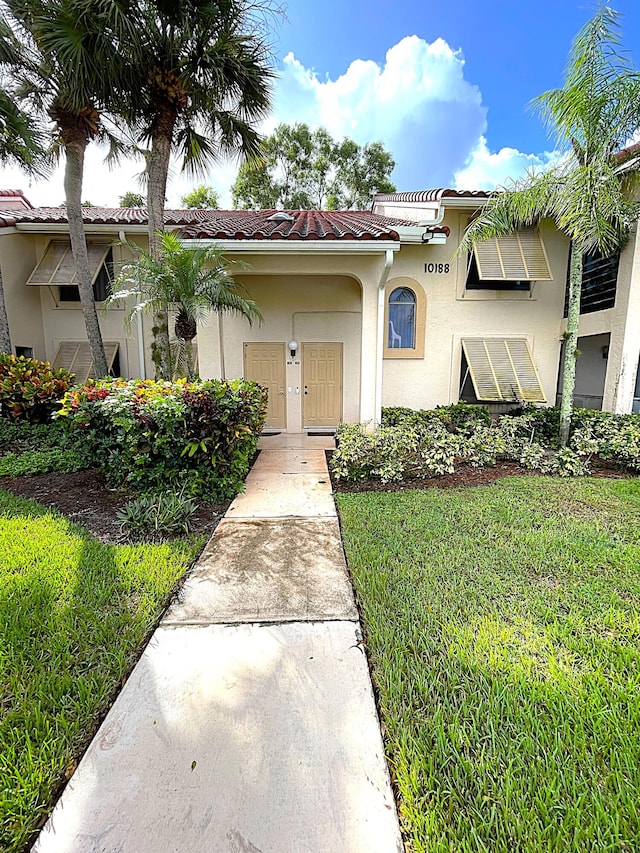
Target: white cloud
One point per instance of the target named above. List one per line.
(417, 102)
(103, 187)
(485, 170)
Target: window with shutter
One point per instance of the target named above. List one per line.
(502, 370)
(57, 268)
(519, 257)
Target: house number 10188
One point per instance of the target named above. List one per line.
(439, 269)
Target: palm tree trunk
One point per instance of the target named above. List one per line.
(571, 343)
(5, 336)
(188, 352)
(162, 137)
(73, 191)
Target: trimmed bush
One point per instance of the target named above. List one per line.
(30, 389)
(151, 436)
(455, 417)
(429, 443)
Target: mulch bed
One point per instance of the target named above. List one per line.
(464, 476)
(85, 498)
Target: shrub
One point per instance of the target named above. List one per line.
(456, 417)
(153, 435)
(429, 443)
(20, 436)
(166, 513)
(393, 453)
(41, 462)
(29, 388)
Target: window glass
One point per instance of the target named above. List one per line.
(402, 319)
(474, 282)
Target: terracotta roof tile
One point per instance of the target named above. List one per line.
(13, 196)
(233, 224)
(430, 195)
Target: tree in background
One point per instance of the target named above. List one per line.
(302, 168)
(21, 143)
(203, 82)
(588, 193)
(131, 199)
(193, 281)
(201, 198)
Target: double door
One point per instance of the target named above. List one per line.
(317, 388)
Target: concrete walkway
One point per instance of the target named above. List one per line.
(248, 725)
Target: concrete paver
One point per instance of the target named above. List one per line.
(244, 738)
(296, 441)
(276, 495)
(268, 571)
(291, 462)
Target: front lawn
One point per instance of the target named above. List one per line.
(74, 614)
(503, 628)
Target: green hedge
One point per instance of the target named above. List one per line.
(150, 436)
(430, 443)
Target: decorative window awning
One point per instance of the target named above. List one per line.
(58, 268)
(75, 356)
(520, 256)
(502, 370)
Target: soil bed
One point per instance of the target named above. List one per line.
(85, 498)
(464, 476)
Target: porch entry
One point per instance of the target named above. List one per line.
(321, 384)
(264, 363)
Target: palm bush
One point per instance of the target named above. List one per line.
(194, 282)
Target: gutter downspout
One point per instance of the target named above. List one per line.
(141, 358)
(388, 263)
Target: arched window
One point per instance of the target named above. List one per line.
(402, 319)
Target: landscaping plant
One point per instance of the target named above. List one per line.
(166, 513)
(30, 388)
(150, 436)
(430, 443)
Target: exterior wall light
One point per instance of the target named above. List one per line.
(293, 346)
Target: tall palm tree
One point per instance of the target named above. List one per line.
(21, 143)
(203, 82)
(68, 66)
(588, 193)
(191, 281)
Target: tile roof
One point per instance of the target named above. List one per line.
(232, 224)
(430, 195)
(14, 196)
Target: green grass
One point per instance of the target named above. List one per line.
(503, 629)
(74, 614)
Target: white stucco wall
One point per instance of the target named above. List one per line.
(17, 260)
(453, 313)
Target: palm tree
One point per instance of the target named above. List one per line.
(203, 81)
(68, 66)
(588, 192)
(20, 143)
(194, 282)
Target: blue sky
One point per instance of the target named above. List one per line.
(444, 86)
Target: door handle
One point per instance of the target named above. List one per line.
(305, 390)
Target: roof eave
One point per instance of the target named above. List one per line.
(312, 247)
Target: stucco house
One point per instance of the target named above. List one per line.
(362, 309)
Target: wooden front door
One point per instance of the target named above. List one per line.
(264, 364)
(322, 384)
